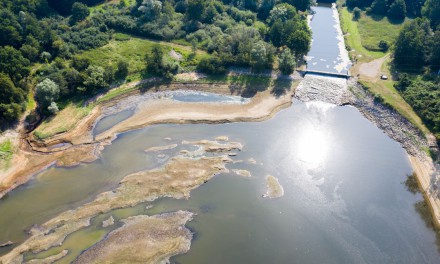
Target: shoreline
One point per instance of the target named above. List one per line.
(79, 145)
(425, 171)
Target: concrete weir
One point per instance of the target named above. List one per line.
(328, 74)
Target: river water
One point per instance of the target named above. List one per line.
(345, 199)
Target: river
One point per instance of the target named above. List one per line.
(345, 199)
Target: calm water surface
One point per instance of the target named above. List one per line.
(345, 201)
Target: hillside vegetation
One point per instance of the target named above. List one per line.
(66, 50)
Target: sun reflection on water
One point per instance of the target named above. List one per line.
(313, 141)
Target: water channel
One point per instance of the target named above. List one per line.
(345, 199)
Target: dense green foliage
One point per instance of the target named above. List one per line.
(396, 9)
(286, 62)
(424, 96)
(50, 35)
(417, 46)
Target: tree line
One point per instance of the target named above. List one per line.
(50, 34)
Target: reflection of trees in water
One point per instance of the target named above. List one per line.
(422, 208)
(425, 213)
(411, 184)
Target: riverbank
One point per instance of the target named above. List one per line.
(409, 136)
(79, 145)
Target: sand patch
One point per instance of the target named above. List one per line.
(274, 188)
(161, 148)
(243, 173)
(143, 239)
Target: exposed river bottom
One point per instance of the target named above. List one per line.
(316, 183)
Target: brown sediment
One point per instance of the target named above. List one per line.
(274, 188)
(143, 239)
(427, 176)
(176, 179)
(222, 138)
(214, 146)
(243, 173)
(161, 148)
(51, 259)
(78, 144)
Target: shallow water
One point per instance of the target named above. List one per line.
(344, 197)
(344, 202)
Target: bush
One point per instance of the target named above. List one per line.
(356, 13)
(383, 45)
(213, 65)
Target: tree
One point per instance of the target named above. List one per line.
(383, 45)
(276, 33)
(95, 79)
(154, 60)
(299, 42)
(151, 9)
(46, 92)
(79, 12)
(122, 71)
(282, 12)
(195, 9)
(258, 56)
(431, 10)
(435, 54)
(265, 7)
(380, 7)
(11, 99)
(53, 108)
(14, 64)
(302, 5)
(286, 62)
(9, 29)
(9, 93)
(411, 46)
(45, 56)
(397, 9)
(212, 65)
(356, 13)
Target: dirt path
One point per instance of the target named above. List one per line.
(371, 71)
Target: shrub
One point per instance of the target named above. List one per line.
(356, 13)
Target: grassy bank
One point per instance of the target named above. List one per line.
(133, 50)
(6, 153)
(362, 36)
(384, 89)
(353, 38)
(62, 122)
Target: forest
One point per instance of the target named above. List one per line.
(41, 42)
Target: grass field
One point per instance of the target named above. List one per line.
(373, 29)
(353, 38)
(133, 50)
